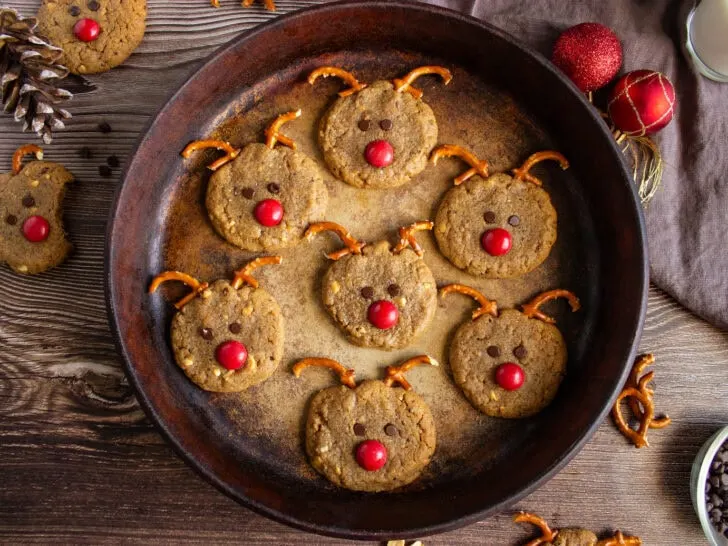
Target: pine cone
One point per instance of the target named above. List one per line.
(30, 76)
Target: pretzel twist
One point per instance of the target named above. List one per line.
(486, 306)
(230, 152)
(407, 237)
(346, 375)
(196, 286)
(22, 152)
(244, 275)
(395, 374)
(352, 245)
(643, 385)
(272, 134)
(531, 309)
(620, 540)
(269, 4)
(347, 77)
(405, 83)
(547, 535)
(477, 166)
(521, 173)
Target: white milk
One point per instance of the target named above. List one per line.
(708, 37)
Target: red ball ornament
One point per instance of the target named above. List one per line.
(496, 242)
(589, 54)
(510, 376)
(383, 314)
(371, 455)
(86, 30)
(269, 212)
(36, 229)
(642, 102)
(231, 355)
(379, 153)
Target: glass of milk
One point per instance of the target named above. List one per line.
(707, 38)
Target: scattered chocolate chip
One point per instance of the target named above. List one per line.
(391, 430)
(394, 290)
(248, 193)
(364, 124)
(28, 201)
(112, 161)
(274, 188)
(85, 152)
(105, 171)
(104, 127)
(235, 328)
(93, 5)
(514, 220)
(715, 515)
(520, 352)
(714, 481)
(489, 217)
(367, 292)
(716, 501)
(493, 351)
(359, 429)
(385, 124)
(205, 333)
(11, 219)
(74, 11)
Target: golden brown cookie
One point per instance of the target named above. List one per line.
(95, 35)
(574, 536)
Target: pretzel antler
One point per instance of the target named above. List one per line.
(620, 540)
(407, 237)
(346, 375)
(404, 83)
(477, 166)
(244, 275)
(352, 245)
(547, 535)
(395, 374)
(643, 384)
(531, 309)
(22, 152)
(487, 307)
(521, 173)
(272, 135)
(196, 286)
(230, 152)
(347, 77)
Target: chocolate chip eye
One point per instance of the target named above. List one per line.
(359, 429)
(74, 11)
(367, 292)
(489, 217)
(364, 124)
(274, 188)
(205, 333)
(235, 328)
(93, 5)
(385, 124)
(394, 290)
(11, 219)
(514, 220)
(520, 352)
(28, 201)
(391, 430)
(493, 351)
(247, 193)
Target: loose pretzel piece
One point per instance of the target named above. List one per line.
(404, 84)
(196, 286)
(477, 166)
(352, 245)
(531, 310)
(547, 535)
(407, 237)
(271, 133)
(395, 374)
(638, 437)
(521, 173)
(620, 540)
(487, 307)
(230, 152)
(643, 385)
(23, 151)
(244, 275)
(269, 4)
(346, 375)
(347, 77)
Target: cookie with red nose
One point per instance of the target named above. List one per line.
(509, 364)
(380, 296)
(497, 226)
(32, 238)
(372, 437)
(378, 135)
(226, 336)
(263, 197)
(95, 35)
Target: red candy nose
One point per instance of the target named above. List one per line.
(86, 30)
(510, 376)
(269, 212)
(496, 241)
(379, 153)
(231, 355)
(36, 229)
(371, 455)
(383, 314)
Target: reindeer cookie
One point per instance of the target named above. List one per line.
(509, 364)
(226, 336)
(371, 437)
(380, 296)
(31, 229)
(378, 135)
(496, 226)
(262, 197)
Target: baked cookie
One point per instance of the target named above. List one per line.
(380, 296)
(262, 198)
(378, 135)
(571, 536)
(509, 364)
(231, 336)
(95, 35)
(496, 226)
(370, 437)
(31, 229)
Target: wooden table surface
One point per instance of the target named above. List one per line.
(80, 462)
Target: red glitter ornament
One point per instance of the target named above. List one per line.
(642, 102)
(589, 54)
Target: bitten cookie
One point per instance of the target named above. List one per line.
(380, 296)
(31, 229)
(226, 337)
(378, 136)
(262, 198)
(509, 364)
(370, 437)
(95, 35)
(496, 226)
